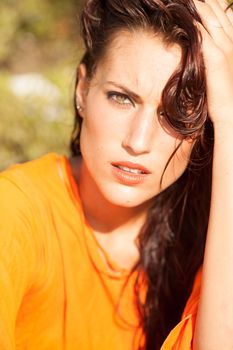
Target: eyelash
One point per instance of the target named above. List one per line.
(114, 95)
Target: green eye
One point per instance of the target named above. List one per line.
(119, 98)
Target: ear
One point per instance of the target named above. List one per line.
(82, 88)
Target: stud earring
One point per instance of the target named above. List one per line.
(79, 108)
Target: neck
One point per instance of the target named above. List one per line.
(104, 216)
(115, 227)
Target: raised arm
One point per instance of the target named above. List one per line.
(214, 326)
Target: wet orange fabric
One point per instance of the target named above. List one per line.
(58, 288)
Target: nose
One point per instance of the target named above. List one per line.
(140, 133)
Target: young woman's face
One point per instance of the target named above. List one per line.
(124, 143)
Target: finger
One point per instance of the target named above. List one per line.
(223, 4)
(229, 13)
(213, 26)
(221, 16)
(212, 54)
(218, 72)
(209, 47)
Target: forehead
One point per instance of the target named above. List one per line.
(139, 59)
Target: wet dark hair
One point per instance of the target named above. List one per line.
(171, 242)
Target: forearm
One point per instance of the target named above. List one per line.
(214, 326)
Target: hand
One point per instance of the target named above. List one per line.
(217, 35)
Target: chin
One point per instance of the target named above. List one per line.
(127, 196)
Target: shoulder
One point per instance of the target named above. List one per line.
(27, 192)
(39, 198)
(34, 170)
(25, 182)
(38, 190)
(22, 239)
(23, 192)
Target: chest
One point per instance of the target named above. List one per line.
(78, 304)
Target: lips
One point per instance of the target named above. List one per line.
(131, 167)
(129, 173)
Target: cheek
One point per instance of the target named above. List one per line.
(90, 141)
(93, 127)
(98, 132)
(102, 123)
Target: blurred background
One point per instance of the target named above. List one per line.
(40, 48)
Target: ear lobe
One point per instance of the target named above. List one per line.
(81, 88)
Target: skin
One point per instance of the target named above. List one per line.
(121, 126)
(214, 325)
(214, 322)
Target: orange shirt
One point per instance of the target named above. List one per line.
(56, 290)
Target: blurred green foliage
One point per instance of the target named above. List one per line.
(39, 50)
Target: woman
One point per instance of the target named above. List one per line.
(105, 250)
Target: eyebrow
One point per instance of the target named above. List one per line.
(126, 90)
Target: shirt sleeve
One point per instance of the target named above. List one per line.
(16, 257)
(181, 337)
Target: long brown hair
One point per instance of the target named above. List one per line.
(171, 243)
